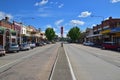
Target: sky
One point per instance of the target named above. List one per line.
(56, 13)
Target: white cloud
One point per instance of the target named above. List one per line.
(55, 29)
(48, 26)
(61, 5)
(3, 15)
(115, 1)
(85, 14)
(43, 2)
(77, 22)
(57, 23)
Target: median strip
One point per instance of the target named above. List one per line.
(61, 69)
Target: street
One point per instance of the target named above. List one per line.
(52, 62)
(91, 63)
(59, 40)
(35, 64)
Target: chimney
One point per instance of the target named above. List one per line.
(110, 18)
(6, 18)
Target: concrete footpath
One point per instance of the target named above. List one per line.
(61, 70)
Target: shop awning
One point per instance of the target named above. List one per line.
(94, 35)
(13, 32)
(2, 29)
(115, 30)
(105, 31)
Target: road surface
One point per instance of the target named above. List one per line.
(72, 62)
(89, 63)
(35, 64)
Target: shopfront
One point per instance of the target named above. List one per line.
(7, 36)
(116, 34)
(106, 35)
(13, 36)
(2, 29)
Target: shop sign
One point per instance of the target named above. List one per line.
(115, 30)
(105, 31)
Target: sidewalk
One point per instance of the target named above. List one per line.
(61, 71)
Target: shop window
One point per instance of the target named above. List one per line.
(13, 40)
(119, 24)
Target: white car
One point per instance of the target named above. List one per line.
(88, 43)
(32, 45)
(13, 48)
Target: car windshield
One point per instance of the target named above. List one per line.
(112, 43)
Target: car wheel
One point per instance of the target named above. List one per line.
(118, 49)
(3, 54)
(103, 47)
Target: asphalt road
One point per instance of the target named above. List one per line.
(77, 62)
(61, 69)
(89, 63)
(35, 64)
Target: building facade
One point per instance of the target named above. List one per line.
(7, 32)
(15, 32)
(108, 30)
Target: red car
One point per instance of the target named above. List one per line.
(110, 45)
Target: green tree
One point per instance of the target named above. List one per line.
(74, 34)
(50, 34)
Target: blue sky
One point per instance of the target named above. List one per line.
(57, 13)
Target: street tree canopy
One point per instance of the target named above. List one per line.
(74, 34)
(50, 34)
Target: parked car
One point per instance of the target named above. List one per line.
(39, 44)
(13, 47)
(88, 43)
(32, 45)
(111, 45)
(2, 51)
(24, 46)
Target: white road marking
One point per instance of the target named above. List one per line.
(54, 67)
(70, 66)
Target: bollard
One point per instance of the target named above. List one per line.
(61, 44)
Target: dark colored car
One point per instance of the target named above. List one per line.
(39, 44)
(2, 51)
(111, 45)
(24, 46)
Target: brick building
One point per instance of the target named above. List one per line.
(108, 30)
(7, 32)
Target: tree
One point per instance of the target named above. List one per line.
(50, 34)
(74, 34)
(82, 36)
